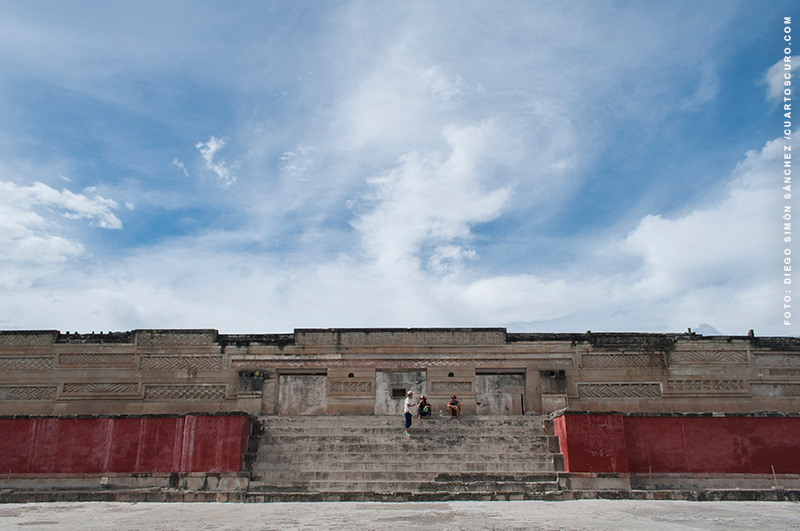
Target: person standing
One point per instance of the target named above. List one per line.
(408, 410)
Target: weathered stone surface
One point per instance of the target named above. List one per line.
(181, 371)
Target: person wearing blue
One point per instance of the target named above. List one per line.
(409, 409)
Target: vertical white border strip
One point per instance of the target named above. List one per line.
(787, 171)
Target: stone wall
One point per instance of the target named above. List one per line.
(354, 371)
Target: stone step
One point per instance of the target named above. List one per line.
(369, 454)
(400, 448)
(432, 426)
(393, 433)
(389, 420)
(382, 486)
(420, 474)
(362, 459)
(428, 431)
(399, 421)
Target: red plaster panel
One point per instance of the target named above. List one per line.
(680, 445)
(594, 443)
(96, 445)
(15, 445)
(729, 445)
(214, 444)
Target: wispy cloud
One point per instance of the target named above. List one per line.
(208, 150)
(181, 166)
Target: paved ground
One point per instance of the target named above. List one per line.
(354, 516)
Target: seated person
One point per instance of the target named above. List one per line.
(454, 407)
(423, 408)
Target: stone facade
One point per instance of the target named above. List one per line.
(368, 371)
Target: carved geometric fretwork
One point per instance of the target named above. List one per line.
(37, 363)
(777, 360)
(184, 392)
(705, 386)
(350, 388)
(97, 360)
(775, 389)
(556, 363)
(451, 387)
(620, 390)
(28, 392)
(720, 357)
(166, 363)
(26, 339)
(104, 389)
(609, 361)
(400, 364)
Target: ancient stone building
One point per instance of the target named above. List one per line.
(368, 371)
(194, 415)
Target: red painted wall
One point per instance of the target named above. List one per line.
(722, 445)
(194, 443)
(592, 443)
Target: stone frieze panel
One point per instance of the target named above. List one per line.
(171, 363)
(97, 360)
(451, 387)
(350, 388)
(28, 392)
(184, 392)
(777, 360)
(544, 364)
(619, 390)
(106, 390)
(26, 363)
(11, 339)
(706, 387)
(719, 357)
(620, 360)
(775, 390)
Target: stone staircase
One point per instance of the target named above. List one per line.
(369, 458)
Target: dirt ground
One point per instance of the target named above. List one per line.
(354, 516)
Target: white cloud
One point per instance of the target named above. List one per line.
(181, 166)
(775, 78)
(733, 244)
(297, 162)
(431, 199)
(209, 150)
(32, 238)
(21, 199)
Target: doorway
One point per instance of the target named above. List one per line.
(500, 394)
(391, 388)
(303, 394)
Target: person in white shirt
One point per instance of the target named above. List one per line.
(409, 409)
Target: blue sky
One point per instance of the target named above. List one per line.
(263, 166)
